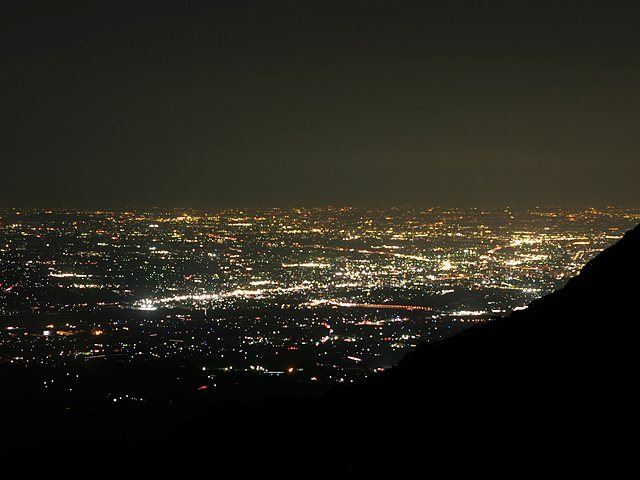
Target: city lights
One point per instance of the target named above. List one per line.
(338, 292)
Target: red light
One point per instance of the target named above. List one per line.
(203, 387)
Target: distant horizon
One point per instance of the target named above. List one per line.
(319, 206)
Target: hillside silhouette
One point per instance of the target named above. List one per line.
(552, 383)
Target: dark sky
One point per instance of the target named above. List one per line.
(365, 102)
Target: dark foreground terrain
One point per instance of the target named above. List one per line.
(550, 389)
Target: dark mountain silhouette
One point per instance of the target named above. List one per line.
(552, 383)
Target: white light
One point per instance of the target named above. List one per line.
(147, 306)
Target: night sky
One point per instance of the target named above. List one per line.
(363, 102)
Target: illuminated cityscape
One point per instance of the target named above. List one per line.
(313, 296)
(318, 238)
